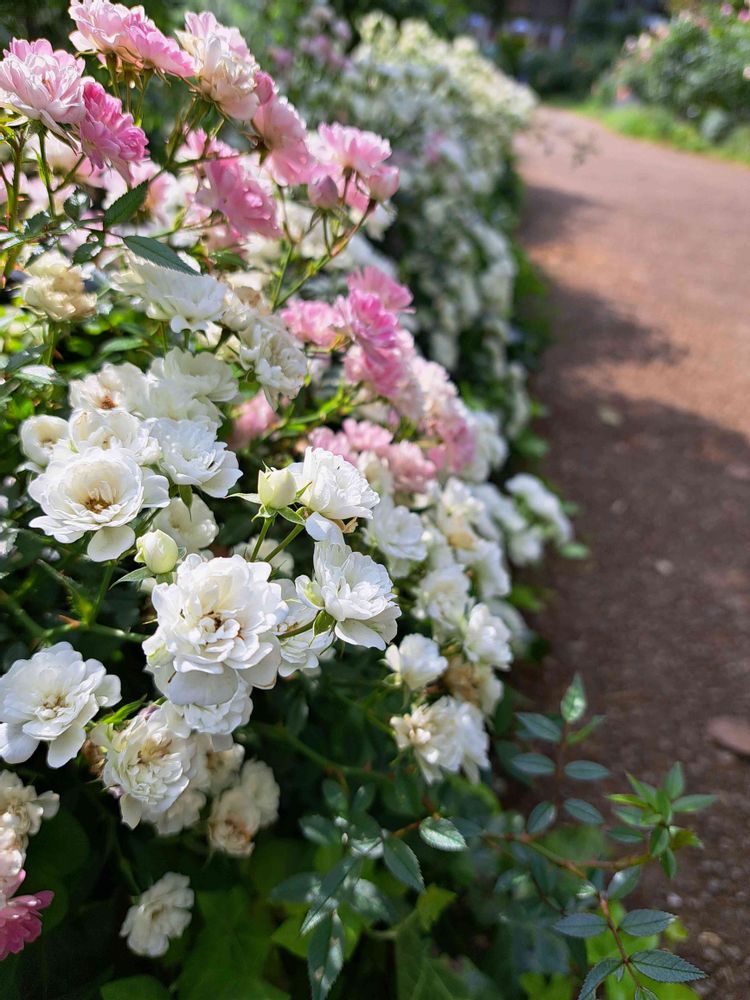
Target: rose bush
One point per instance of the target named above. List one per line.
(256, 578)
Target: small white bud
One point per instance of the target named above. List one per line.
(276, 488)
(157, 551)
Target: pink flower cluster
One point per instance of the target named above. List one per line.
(354, 161)
(127, 33)
(20, 920)
(411, 469)
(240, 194)
(255, 417)
(313, 322)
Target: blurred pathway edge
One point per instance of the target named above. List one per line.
(645, 251)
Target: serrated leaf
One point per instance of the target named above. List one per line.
(300, 888)
(541, 817)
(533, 764)
(573, 704)
(441, 834)
(597, 975)
(669, 863)
(541, 727)
(125, 207)
(664, 967)
(623, 883)
(644, 993)
(583, 811)
(325, 956)
(693, 803)
(586, 770)
(329, 887)
(644, 923)
(402, 863)
(157, 253)
(581, 925)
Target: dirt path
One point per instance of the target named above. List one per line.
(646, 252)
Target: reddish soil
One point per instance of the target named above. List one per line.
(645, 250)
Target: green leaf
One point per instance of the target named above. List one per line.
(586, 770)
(300, 888)
(142, 987)
(573, 704)
(674, 783)
(402, 862)
(335, 796)
(441, 834)
(325, 956)
(644, 923)
(431, 904)
(669, 863)
(693, 803)
(581, 925)
(533, 764)
(157, 253)
(541, 727)
(541, 817)
(659, 841)
(329, 887)
(86, 251)
(664, 967)
(623, 883)
(126, 205)
(320, 830)
(585, 731)
(135, 576)
(644, 993)
(583, 811)
(597, 975)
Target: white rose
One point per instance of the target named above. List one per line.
(204, 375)
(355, 591)
(97, 491)
(397, 532)
(273, 354)
(182, 814)
(106, 429)
(258, 782)
(224, 68)
(486, 638)
(333, 490)
(39, 435)
(113, 387)
(193, 527)
(416, 660)
(475, 683)
(160, 914)
(191, 456)
(22, 810)
(234, 822)
(300, 652)
(543, 503)
(216, 630)
(447, 735)
(49, 699)
(146, 763)
(222, 767)
(186, 301)
(442, 597)
(56, 288)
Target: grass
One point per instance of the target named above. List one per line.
(659, 125)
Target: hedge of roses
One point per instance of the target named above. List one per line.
(697, 66)
(255, 568)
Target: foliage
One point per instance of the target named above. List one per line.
(696, 67)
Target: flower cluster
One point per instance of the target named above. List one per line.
(257, 545)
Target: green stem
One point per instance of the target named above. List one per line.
(105, 630)
(281, 735)
(263, 532)
(103, 586)
(20, 615)
(297, 631)
(45, 171)
(286, 541)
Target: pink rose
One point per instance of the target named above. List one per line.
(244, 200)
(108, 135)
(20, 922)
(41, 84)
(285, 137)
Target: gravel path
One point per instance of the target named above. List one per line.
(646, 252)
